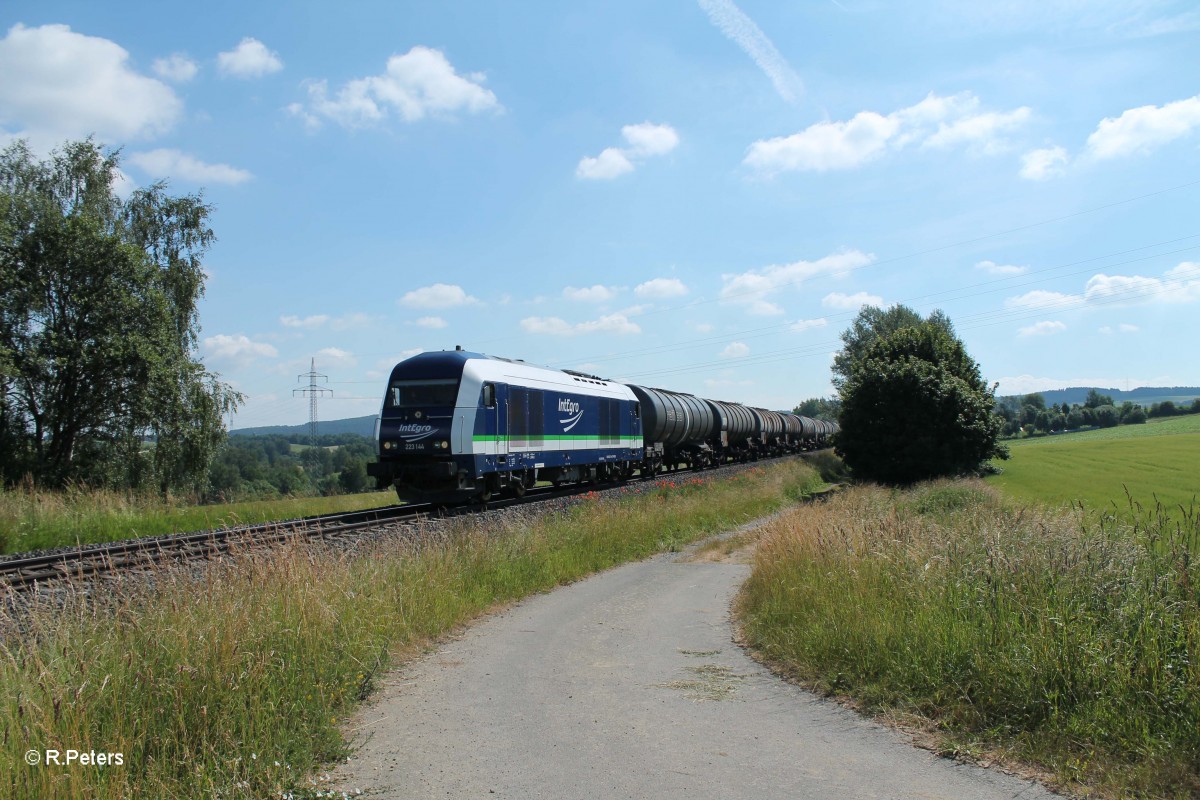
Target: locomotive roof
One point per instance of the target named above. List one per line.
(448, 362)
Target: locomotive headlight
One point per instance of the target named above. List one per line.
(417, 414)
(445, 445)
(387, 445)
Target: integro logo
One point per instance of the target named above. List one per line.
(413, 432)
(572, 411)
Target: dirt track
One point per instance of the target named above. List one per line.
(628, 685)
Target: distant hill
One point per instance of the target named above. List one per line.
(363, 426)
(1143, 395)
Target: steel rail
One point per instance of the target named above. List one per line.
(96, 559)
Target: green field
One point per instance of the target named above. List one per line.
(1157, 461)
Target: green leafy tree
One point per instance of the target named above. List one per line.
(915, 407)
(872, 323)
(1136, 416)
(1106, 416)
(98, 327)
(1095, 399)
(819, 408)
(1034, 399)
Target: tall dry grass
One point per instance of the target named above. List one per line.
(34, 519)
(1072, 641)
(236, 684)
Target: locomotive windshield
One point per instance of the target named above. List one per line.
(421, 393)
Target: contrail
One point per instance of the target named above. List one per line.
(742, 31)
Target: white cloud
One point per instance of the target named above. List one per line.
(1042, 329)
(742, 31)
(313, 321)
(175, 67)
(439, 295)
(591, 294)
(431, 322)
(801, 325)
(825, 145)
(979, 130)
(1180, 284)
(1112, 287)
(335, 357)
(250, 59)
(355, 319)
(992, 268)
(1040, 298)
(752, 288)
(554, 326)
(645, 139)
(934, 122)
(239, 349)
(851, 302)
(167, 163)
(1039, 165)
(735, 350)
(704, 327)
(661, 288)
(611, 163)
(1123, 327)
(420, 83)
(59, 85)
(1140, 130)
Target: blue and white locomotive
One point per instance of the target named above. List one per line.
(457, 426)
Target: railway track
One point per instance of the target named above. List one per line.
(28, 572)
(91, 560)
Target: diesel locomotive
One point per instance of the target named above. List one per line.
(457, 426)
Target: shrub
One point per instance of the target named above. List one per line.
(1106, 416)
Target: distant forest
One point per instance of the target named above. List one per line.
(1144, 396)
(268, 467)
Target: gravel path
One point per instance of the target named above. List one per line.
(628, 685)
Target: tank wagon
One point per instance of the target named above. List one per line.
(458, 426)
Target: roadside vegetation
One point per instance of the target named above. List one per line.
(237, 684)
(1063, 639)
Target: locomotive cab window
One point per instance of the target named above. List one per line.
(423, 393)
(637, 410)
(489, 395)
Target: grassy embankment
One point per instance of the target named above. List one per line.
(1066, 639)
(1160, 459)
(32, 520)
(236, 686)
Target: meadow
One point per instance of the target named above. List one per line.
(237, 684)
(1106, 468)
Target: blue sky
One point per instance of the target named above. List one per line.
(693, 195)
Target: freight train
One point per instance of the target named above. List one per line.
(457, 426)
